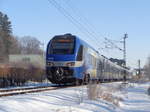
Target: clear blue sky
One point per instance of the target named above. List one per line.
(110, 18)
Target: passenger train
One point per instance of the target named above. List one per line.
(70, 59)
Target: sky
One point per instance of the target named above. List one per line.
(102, 18)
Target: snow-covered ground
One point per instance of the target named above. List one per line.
(130, 98)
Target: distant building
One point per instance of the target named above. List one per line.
(39, 60)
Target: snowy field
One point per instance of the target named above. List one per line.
(111, 97)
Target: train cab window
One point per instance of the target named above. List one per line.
(80, 53)
(62, 45)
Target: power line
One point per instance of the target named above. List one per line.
(84, 20)
(72, 19)
(68, 16)
(112, 44)
(84, 27)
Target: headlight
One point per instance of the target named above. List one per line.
(50, 64)
(70, 64)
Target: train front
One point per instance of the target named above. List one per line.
(61, 59)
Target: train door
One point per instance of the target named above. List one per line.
(100, 69)
(103, 70)
(79, 60)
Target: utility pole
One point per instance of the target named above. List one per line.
(124, 48)
(124, 53)
(139, 66)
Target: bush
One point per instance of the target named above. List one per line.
(16, 74)
(95, 91)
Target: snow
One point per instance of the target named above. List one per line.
(134, 98)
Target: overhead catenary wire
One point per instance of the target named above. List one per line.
(92, 28)
(68, 16)
(85, 21)
(75, 22)
(83, 26)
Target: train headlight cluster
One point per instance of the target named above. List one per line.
(50, 64)
(70, 64)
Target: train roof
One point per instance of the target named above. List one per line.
(86, 44)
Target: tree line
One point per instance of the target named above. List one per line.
(14, 74)
(10, 44)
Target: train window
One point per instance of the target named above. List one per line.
(80, 53)
(94, 61)
(62, 46)
(100, 65)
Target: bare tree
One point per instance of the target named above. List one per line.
(30, 45)
(15, 46)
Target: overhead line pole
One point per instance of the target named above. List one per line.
(124, 46)
(124, 54)
(139, 66)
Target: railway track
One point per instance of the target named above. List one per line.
(18, 91)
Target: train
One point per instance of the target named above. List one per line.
(69, 59)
